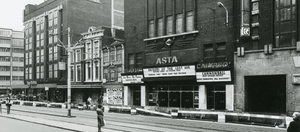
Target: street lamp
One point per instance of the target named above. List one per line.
(69, 50)
(220, 4)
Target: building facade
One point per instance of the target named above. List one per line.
(267, 57)
(97, 65)
(45, 61)
(179, 54)
(12, 60)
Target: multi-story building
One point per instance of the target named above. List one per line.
(98, 63)
(267, 58)
(179, 53)
(45, 60)
(12, 60)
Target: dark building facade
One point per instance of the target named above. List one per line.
(179, 54)
(267, 57)
(45, 61)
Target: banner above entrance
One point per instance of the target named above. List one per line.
(130, 79)
(170, 71)
(213, 76)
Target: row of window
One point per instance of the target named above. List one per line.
(14, 50)
(15, 78)
(15, 68)
(165, 26)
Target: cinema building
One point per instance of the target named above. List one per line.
(176, 56)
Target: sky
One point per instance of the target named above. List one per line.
(11, 13)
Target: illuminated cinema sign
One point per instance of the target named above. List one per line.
(170, 71)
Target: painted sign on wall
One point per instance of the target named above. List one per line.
(213, 76)
(170, 71)
(128, 79)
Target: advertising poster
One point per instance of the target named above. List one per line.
(114, 96)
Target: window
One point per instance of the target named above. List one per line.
(37, 72)
(97, 73)
(50, 53)
(105, 56)
(42, 72)
(55, 70)
(160, 27)
(37, 40)
(30, 58)
(119, 53)
(30, 73)
(189, 21)
(88, 70)
(42, 39)
(169, 25)
(119, 72)
(50, 71)
(88, 50)
(72, 73)
(215, 52)
(112, 74)
(78, 55)
(135, 60)
(42, 55)
(55, 17)
(78, 78)
(55, 53)
(151, 29)
(105, 73)
(96, 49)
(50, 17)
(285, 23)
(112, 54)
(38, 56)
(208, 52)
(179, 23)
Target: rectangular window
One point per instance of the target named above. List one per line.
(78, 73)
(96, 65)
(105, 56)
(50, 53)
(112, 74)
(119, 53)
(30, 73)
(179, 23)
(220, 52)
(169, 25)
(50, 71)
(42, 55)
(151, 29)
(37, 56)
(96, 49)
(88, 50)
(285, 23)
(42, 39)
(189, 21)
(30, 58)
(112, 54)
(55, 52)
(37, 72)
(42, 72)
(88, 70)
(139, 60)
(131, 61)
(55, 71)
(105, 73)
(208, 52)
(72, 73)
(119, 72)
(160, 27)
(78, 56)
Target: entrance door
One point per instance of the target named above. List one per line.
(216, 97)
(137, 98)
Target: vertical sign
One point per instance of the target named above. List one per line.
(245, 18)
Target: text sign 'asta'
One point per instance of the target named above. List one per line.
(166, 60)
(213, 76)
(170, 71)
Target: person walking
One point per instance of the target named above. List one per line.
(89, 103)
(1, 105)
(100, 117)
(295, 125)
(8, 105)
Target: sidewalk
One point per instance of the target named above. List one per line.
(57, 124)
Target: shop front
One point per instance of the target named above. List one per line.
(216, 89)
(133, 88)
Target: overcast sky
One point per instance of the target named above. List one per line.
(11, 13)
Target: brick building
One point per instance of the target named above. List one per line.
(45, 61)
(179, 54)
(267, 59)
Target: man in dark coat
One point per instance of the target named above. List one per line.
(295, 125)
(100, 111)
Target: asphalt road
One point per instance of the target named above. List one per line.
(13, 125)
(136, 123)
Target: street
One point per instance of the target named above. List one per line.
(86, 121)
(13, 125)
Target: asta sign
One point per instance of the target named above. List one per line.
(166, 60)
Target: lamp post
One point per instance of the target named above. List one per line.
(220, 4)
(69, 50)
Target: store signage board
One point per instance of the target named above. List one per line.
(129, 79)
(170, 71)
(213, 76)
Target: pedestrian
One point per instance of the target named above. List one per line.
(100, 117)
(1, 105)
(8, 105)
(295, 125)
(89, 102)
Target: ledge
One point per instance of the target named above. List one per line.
(172, 35)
